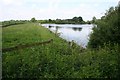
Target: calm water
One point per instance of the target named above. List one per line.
(78, 33)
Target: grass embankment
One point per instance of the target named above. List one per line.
(53, 60)
(31, 61)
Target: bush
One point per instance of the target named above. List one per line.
(107, 30)
(33, 20)
(12, 22)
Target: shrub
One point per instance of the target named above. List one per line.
(107, 30)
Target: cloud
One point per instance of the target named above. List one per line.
(12, 2)
(45, 9)
(7, 2)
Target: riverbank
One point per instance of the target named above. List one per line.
(28, 34)
(79, 33)
(53, 60)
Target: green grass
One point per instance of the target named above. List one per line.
(0, 37)
(53, 60)
(30, 33)
(0, 23)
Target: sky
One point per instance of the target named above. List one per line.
(53, 9)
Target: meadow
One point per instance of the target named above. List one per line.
(55, 59)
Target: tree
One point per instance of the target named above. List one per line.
(80, 19)
(77, 19)
(33, 20)
(107, 30)
(94, 19)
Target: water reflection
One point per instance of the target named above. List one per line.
(77, 29)
(50, 26)
(54, 26)
(74, 28)
(69, 32)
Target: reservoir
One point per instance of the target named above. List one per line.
(79, 33)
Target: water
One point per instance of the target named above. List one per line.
(78, 33)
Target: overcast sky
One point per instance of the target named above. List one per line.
(53, 9)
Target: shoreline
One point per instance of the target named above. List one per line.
(68, 41)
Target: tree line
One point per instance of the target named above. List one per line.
(13, 22)
(74, 20)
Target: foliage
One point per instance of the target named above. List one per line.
(13, 22)
(58, 59)
(74, 20)
(107, 30)
(33, 20)
(77, 19)
(54, 60)
(94, 20)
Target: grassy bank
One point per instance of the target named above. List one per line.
(33, 57)
(55, 59)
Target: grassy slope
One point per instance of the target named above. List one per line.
(54, 59)
(26, 33)
(30, 33)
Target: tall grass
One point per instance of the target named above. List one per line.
(56, 59)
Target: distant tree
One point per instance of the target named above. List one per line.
(33, 20)
(50, 20)
(74, 18)
(93, 19)
(80, 19)
(88, 22)
(77, 19)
